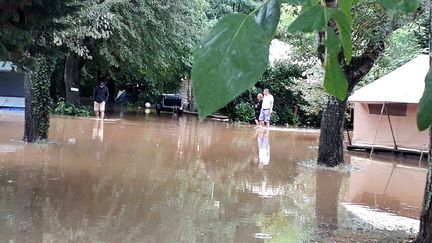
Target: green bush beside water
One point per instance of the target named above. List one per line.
(65, 108)
(244, 112)
(280, 79)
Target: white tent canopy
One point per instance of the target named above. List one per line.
(403, 85)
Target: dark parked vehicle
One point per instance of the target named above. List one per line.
(169, 102)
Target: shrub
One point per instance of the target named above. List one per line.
(244, 112)
(280, 79)
(274, 119)
(65, 108)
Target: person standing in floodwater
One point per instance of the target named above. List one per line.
(100, 97)
(266, 108)
(257, 108)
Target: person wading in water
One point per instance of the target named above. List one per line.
(257, 108)
(266, 108)
(100, 97)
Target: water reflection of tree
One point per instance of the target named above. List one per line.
(328, 184)
(150, 192)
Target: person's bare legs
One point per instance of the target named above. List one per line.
(96, 110)
(102, 115)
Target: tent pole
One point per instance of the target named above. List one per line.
(421, 154)
(391, 129)
(376, 131)
(347, 131)
(349, 137)
(421, 157)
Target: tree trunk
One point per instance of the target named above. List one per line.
(425, 233)
(71, 78)
(330, 150)
(37, 100)
(57, 82)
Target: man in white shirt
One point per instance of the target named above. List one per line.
(266, 108)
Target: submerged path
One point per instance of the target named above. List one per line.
(170, 179)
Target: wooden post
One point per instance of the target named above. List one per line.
(391, 129)
(376, 131)
(349, 137)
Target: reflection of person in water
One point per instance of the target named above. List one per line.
(263, 147)
(98, 130)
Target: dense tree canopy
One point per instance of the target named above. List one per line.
(147, 41)
(136, 41)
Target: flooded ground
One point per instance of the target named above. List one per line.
(168, 179)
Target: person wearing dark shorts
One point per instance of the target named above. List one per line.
(257, 108)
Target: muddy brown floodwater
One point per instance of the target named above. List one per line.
(168, 179)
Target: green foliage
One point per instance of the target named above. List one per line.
(268, 17)
(424, 114)
(334, 79)
(401, 46)
(30, 23)
(218, 60)
(244, 112)
(401, 5)
(421, 30)
(220, 8)
(140, 41)
(40, 99)
(344, 27)
(282, 228)
(312, 17)
(315, 17)
(304, 44)
(66, 108)
(274, 118)
(93, 22)
(26, 35)
(280, 79)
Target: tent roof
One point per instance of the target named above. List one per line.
(403, 85)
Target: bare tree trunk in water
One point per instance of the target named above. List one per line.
(425, 233)
(37, 100)
(71, 78)
(330, 150)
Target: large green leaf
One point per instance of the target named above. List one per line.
(401, 5)
(334, 79)
(424, 111)
(312, 19)
(345, 6)
(309, 3)
(268, 17)
(230, 59)
(294, 2)
(344, 28)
